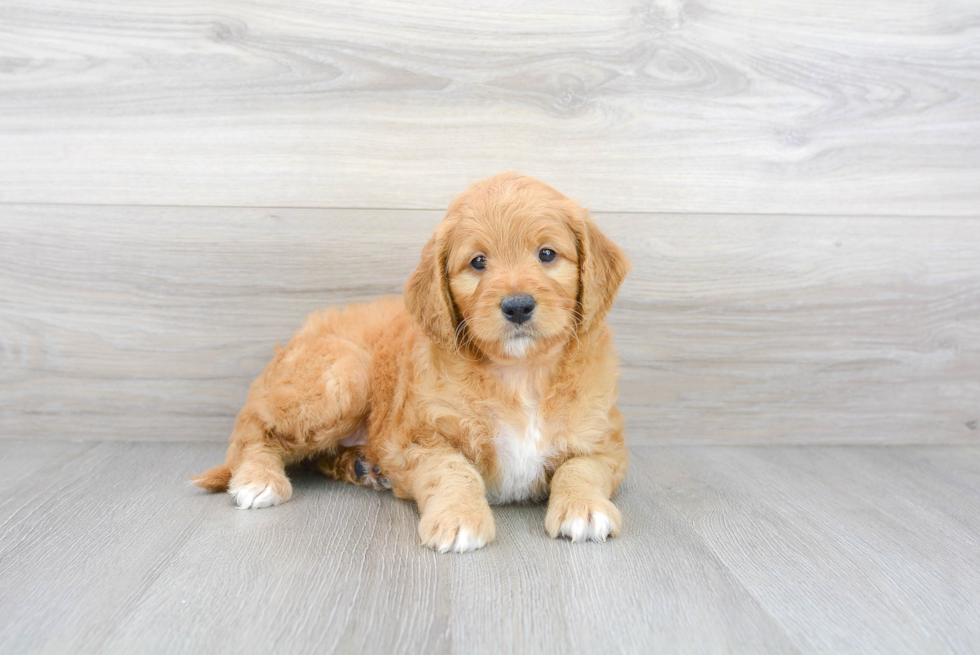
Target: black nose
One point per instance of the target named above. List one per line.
(517, 309)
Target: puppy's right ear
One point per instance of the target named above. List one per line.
(427, 295)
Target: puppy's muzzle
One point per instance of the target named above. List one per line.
(517, 308)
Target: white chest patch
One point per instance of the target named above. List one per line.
(521, 464)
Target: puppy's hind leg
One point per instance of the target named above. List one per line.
(310, 397)
(259, 475)
(253, 471)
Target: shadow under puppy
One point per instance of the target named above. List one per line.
(494, 381)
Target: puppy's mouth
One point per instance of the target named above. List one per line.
(517, 346)
(518, 341)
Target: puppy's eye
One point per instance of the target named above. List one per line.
(547, 255)
(479, 263)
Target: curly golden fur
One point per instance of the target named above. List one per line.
(458, 402)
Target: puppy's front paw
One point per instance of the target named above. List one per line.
(580, 520)
(457, 527)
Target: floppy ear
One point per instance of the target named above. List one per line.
(602, 266)
(427, 295)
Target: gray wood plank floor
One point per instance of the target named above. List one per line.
(104, 549)
(129, 322)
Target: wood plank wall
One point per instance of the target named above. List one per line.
(798, 186)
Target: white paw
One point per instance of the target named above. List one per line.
(455, 528)
(465, 542)
(597, 528)
(255, 496)
(594, 519)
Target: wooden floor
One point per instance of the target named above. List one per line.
(105, 549)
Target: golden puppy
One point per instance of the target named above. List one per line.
(493, 382)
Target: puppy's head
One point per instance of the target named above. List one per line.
(513, 269)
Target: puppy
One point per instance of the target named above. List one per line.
(493, 381)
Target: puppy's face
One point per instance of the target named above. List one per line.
(513, 275)
(514, 269)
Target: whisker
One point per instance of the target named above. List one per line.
(456, 344)
(463, 328)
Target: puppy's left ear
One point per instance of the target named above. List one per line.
(602, 267)
(427, 295)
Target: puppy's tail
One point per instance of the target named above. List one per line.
(215, 479)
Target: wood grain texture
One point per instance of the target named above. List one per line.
(769, 549)
(850, 550)
(661, 105)
(130, 322)
(116, 562)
